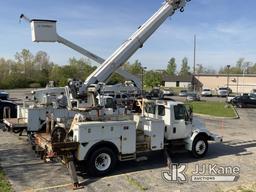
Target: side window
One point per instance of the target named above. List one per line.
(150, 108)
(109, 103)
(161, 110)
(180, 112)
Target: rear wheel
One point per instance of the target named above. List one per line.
(101, 162)
(200, 146)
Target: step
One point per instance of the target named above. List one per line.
(127, 157)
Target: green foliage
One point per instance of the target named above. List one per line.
(184, 67)
(171, 67)
(152, 79)
(28, 70)
(134, 68)
(242, 66)
(115, 78)
(4, 184)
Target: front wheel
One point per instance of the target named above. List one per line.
(101, 162)
(200, 146)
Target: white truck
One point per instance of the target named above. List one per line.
(103, 140)
(162, 125)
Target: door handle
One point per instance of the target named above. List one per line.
(174, 130)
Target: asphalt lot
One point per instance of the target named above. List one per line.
(27, 172)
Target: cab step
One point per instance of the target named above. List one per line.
(127, 157)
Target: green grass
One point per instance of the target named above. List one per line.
(217, 109)
(136, 184)
(4, 184)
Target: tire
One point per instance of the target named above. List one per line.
(200, 146)
(101, 162)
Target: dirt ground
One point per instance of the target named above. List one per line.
(27, 172)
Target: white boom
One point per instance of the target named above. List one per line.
(136, 41)
(45, 31)
(99, 60)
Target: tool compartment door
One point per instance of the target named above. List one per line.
(128, 138)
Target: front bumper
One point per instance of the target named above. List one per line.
(216, 138)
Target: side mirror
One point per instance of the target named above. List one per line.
(190, 113)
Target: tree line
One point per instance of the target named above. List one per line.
(36, 70)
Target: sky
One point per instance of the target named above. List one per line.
(225, 30)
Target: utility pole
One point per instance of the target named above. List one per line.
(194, 66)
(228, 67)
(142, 80)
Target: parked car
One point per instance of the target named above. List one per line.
(193, 96)
(4, 95)
(244, 101)
(253, 91)
(155, 93)
(167, 94)
(206, 93)
(223, 92)
(7, 109)
(183, 93)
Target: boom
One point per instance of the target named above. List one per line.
(136, 41)
(45, 31)
(99, 60)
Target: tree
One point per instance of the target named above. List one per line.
(171, 67)
(152, 78)
(200, 69)
(240, 63)
(115, 78)
(252, 69)
(241, 67)
(42, 66)
(184, 67)
(134, 68)
(25, 60)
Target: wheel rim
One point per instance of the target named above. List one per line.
(200, 147)
(102, 162)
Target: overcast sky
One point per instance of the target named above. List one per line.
(226, 29)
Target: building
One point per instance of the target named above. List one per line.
(185, 82)
(238, 83)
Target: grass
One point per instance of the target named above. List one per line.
(217, 109)
(245, 188)
(5, 186)
(136, 184)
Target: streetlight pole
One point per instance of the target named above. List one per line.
(243, 78)
(228, 67)
(194, 67)
(142, 80)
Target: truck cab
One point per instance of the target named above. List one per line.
(177, 119)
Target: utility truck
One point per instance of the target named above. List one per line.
(100, 140)
(162, 125)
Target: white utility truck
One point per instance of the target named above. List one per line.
(162, 125)
(104, 139)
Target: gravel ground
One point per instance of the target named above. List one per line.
(27, 172)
